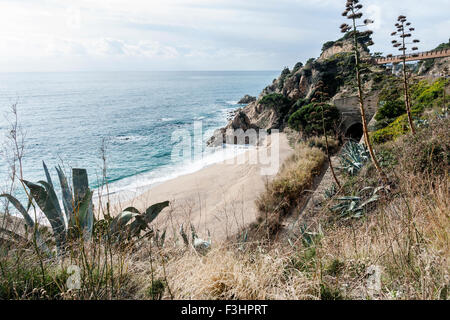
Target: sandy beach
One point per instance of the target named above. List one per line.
(219, 198)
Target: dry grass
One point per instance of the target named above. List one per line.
(405, 235)
(229, 273)
(287, 190)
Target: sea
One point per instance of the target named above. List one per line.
(133, 120)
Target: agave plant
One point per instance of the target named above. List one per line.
(354, 206)
(77, 218)
(77, 215)
(330, 192)
(353, 157)
(131, 223)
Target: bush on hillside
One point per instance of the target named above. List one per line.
(427, 95)
(308, 119)
(297, 67)
(327, 45)
(284, 74)
(398, 127)
(276, 101)
(390, 110)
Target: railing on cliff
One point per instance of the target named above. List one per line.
(414, 57)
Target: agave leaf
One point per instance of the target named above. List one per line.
(193, 233)
(66, 194)
(163, 238)
(80, 189)
(121, 220)
(352, 206)
(152, 212)
(184, 236)
(19, 208)
(348, 198)
(41, 244)
(378, 189)
(370, 200)
(132, 209)
(83, 215)
(53, 198)
(365, 189)
(52, 213)
(47, 174)
(143, 220)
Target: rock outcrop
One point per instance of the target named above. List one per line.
(293, 89)
(247, 99)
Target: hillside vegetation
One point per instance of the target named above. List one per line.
(374, 237)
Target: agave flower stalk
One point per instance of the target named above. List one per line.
(445, 75)
(323, 94)
(403, 32)
(353, 12)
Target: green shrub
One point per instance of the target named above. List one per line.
(284, 74)
(25, 279)
(390, 110)
(397, 128)
(156, 290)
(309, 118)
(330, 293)
(327, 45)
(297, 67)
(428, 95)
(276, 101)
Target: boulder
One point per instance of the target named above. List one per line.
(247, 99)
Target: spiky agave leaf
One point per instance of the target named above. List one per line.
(142, 221)
(184, 236)
(153, 211)
(117, 225)
(50, 210)
(80, 189)
(28, 220)
(66, 194)
(47, 174)
(83, 215)
(132, 209)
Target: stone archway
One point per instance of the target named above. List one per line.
(355, 131)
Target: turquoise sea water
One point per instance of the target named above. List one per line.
(67, 115)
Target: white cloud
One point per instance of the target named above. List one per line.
(165, 34)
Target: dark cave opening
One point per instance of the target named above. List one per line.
(355, 131)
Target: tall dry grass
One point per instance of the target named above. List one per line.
(290, 187)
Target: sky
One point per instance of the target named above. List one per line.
(116, 35)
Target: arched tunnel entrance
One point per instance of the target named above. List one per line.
(355, 131)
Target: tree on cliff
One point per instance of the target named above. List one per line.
(353, 13)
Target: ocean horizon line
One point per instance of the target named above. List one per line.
(135, 71)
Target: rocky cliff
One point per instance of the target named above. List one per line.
(294, 88)
(334, 68)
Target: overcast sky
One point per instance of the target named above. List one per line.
(84, 35)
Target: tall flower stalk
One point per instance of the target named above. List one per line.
(445, 75)
(321, 94)
(353, 13)
(403, 32)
